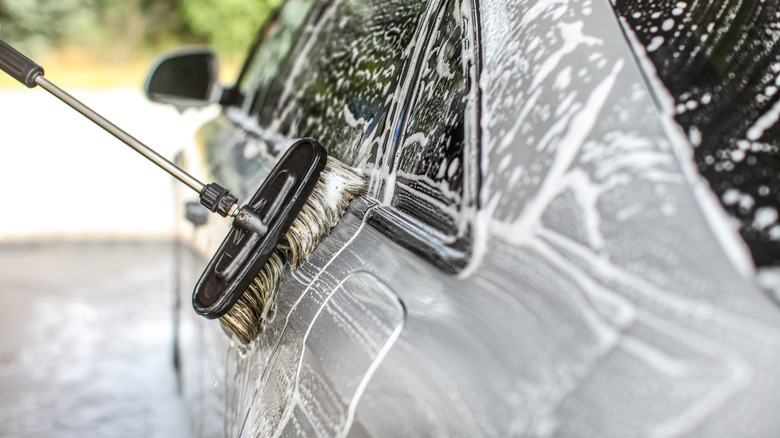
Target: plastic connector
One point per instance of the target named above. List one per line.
(217, 199)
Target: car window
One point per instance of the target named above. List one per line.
(720, 62)
(273, 52)
(431, 155)
(384, 86)
(340, 88)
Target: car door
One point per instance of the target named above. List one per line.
(385, 87)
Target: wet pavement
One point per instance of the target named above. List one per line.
(85, 341)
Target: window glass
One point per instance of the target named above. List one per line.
(720, 61)
(341, 87)
(358, 63)
(431, 158)
(275, 46)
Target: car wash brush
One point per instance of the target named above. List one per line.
(336, 187)
(300, 201)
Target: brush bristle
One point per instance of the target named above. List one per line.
(246, 318)
(336, 187)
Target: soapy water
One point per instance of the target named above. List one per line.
(87, 341)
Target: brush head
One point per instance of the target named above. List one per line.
(337, 185)
(258, 227)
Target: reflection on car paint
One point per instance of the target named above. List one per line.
(319, 358)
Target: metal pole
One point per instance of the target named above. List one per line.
(126, 138)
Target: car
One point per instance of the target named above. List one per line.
(570, 225)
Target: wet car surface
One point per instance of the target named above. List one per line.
(538, 253)
(713, 59)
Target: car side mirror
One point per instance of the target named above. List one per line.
(185, 79)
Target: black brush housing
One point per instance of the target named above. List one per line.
(258, 227)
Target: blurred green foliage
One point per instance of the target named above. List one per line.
(124, 27)
(228, 25)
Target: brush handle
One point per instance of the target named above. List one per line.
(18, 66)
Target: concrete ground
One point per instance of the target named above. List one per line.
(85, 328)
(85, 341)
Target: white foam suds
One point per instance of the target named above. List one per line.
(655, 43)
(766, 121)
(572, 36)
(765, 217)
(566, 150)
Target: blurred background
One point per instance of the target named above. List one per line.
(86, 251)
(100, 51)
(117, 32)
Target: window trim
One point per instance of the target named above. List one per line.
(450, 253)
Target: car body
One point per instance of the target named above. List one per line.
(536, 253)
